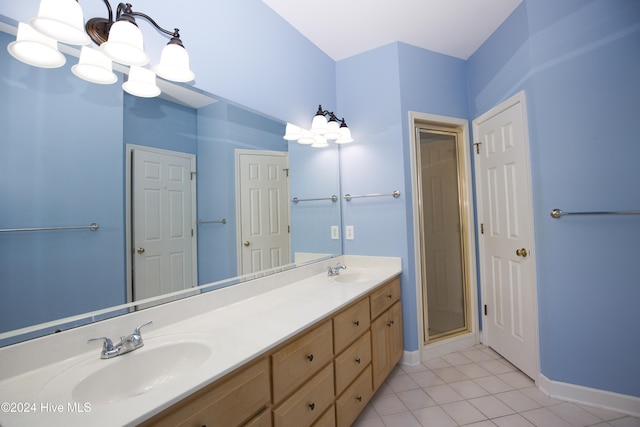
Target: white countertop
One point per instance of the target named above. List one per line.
(237, 333)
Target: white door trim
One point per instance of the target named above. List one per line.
(471, 338)
(510, 102)
(128, 217)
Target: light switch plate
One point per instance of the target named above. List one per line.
(335, 232)
(349, 232)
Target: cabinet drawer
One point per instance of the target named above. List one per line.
(354, 399)
(229, 402)
(384, 297)
(328, 419)
(350, 363)
(298, 361)
(262, 420)
(308, 403)
(350, 324)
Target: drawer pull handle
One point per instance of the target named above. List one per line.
(359, 398)
(312, 406)
(390, 323)
(358, 360)
(357, 323)
(310, 357)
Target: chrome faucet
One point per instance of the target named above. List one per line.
(334, 271)
(126, 344)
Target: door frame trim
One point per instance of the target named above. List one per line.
(467, 339)
(519, 97)
(129, 214)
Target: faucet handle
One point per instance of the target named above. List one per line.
(107, 344)
(137, 331)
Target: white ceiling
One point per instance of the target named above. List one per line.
(343, 28)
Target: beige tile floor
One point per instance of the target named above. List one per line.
(475, 387)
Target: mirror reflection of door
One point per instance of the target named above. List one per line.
(163, 202)
(263, 210)
(442, 251)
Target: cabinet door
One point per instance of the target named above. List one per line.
(386, 343)
(352, 361)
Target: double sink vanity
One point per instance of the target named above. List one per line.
(296, 348)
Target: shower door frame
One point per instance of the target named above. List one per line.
(470, 336)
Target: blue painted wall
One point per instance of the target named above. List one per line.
(578, 62)
(579, 65)
(76, 192)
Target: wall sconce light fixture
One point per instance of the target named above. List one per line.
(120, 40)
(322, 130)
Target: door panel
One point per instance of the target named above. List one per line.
(263, 210)
(163, 250)
(504, 208)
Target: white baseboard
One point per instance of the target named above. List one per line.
(411, 358)
(625, 404)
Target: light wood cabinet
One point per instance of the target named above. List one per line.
(232, 401)
(308, 403)
(352, 361)
(350, 324)
(354, 399)
(299, 360)
(386, 343)
(322, 377)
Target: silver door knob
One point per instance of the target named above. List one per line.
(140, 250)
(246, 243)
(522, 252)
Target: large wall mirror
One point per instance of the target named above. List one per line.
(189, 192)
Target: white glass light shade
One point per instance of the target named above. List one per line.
(34, 48)
(320, 142)
(125, 44)
(307, 137)
(94, 67)
(333, 130)
(319, 124)
(292, 132)
(345, 136)
(174, 64)
(141, 82)
(61, 20)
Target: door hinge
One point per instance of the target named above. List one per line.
(482, 228)
(485, 309)
(192, 175)
(192, 232)
(288, 229)
(477, 144)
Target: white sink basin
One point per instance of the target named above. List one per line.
(353, 277)
(159, 362)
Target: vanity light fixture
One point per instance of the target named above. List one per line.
(120, 40)
(321, 130)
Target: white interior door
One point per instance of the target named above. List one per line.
(263, 210)
(162, 212)
(506, 240)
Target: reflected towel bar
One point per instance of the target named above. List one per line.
(557, 213)
(92, 227)
(220, 221)
(333, 198)
(395, 194)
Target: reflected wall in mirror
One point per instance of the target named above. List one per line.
(65, 160)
